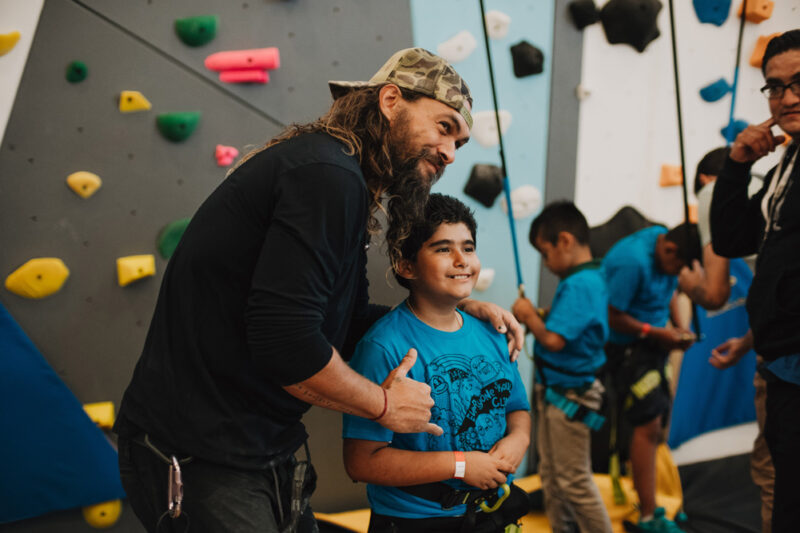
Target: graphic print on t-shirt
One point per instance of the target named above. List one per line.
(471, 394)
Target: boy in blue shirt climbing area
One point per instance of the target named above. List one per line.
(641, 275)
(419, 482)
(568, 353)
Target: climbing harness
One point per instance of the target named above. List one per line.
(512, 504)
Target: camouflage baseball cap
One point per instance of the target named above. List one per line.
(420, 71)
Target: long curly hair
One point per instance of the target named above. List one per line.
(356, 120)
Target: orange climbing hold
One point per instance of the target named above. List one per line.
(757, 11)
(670, 176)
(758, 50)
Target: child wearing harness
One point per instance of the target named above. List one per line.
(568, 353)
(460, 481)
(641, 274)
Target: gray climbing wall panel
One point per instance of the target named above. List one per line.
(92, 331)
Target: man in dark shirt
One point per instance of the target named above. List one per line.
(769, 223)
(266, 288)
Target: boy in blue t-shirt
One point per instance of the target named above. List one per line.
(568, 353)
(641, 274)
(418, 482)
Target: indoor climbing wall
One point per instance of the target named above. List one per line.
(628, 130)
(146, 168)
(520, 41)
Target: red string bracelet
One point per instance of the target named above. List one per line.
(385, 405)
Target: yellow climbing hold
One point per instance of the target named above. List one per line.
(39, 277)
(130, 101)
(102, 515)
(8, 41)
(84, 183)
(101, 413)
(135, 267)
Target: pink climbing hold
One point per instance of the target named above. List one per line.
(225, 155)
(259, 58)
(244, 76)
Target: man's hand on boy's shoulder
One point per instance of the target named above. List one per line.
(503, 321)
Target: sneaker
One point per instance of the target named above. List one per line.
(659, 524)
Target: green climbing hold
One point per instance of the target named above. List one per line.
(178, 126)
(170, 235)
(197, 31)
(77, 71)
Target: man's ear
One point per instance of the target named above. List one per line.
(406, 269)
(390, 100)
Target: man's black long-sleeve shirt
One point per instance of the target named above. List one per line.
(267, 277)
(737, 227)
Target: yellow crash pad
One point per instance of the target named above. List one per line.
(84, 183)
(130, 101)
(135, 267)
(39, 277)
(101, 413)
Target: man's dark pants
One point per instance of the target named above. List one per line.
(782, 432)
(216, 498)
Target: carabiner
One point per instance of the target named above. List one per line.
(506, 493)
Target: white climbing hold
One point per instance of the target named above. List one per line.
(458, 47)
(497, 24)
(525, 200)
(485, 279)
(484, 128)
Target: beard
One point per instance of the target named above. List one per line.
(410, 185)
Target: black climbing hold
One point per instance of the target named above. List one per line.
(631, 22)
(527, 59)
(485, 183)
(583, 13)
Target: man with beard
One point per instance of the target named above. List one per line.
(769, 223)
(266, 287)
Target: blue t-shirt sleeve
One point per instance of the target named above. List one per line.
(571, 312)
(622, 280)
(518, 401)
(372, 361)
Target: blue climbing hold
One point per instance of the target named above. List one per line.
(714, 91)
(712, 11)
(730, 133)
